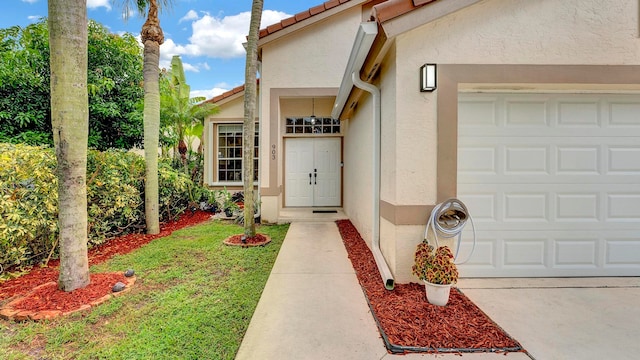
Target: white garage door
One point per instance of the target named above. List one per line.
(552, 182)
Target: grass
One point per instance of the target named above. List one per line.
(193, 299)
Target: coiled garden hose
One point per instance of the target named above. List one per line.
(447, 220)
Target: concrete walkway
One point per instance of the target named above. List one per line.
(313, 308)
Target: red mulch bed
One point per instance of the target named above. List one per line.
(258, 240)
(50, 298)
(408, 323)
(99, 286)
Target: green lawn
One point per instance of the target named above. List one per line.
(193, 299)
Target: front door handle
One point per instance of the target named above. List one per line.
(309, 178)
(315, 178)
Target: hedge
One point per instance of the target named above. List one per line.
(115, 196)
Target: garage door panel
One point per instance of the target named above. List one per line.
(573, 113)
(552, 182)
(545, 253)
(526, 113)
(567, 206)
(623, 207)
(525, 207)
(623, 252)
(624, 114)
(576, 253)
(521, 252)
(624, 160)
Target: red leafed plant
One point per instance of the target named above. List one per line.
(436, 267)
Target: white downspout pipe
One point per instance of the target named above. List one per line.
(385, 272)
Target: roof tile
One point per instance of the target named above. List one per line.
(275, 27)
(331, 4)
(390, 9)
(288, 21)
(317, 10)
(303, 15)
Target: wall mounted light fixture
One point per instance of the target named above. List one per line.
(427, 77)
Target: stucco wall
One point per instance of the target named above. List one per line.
(490, 32)
(500, 32)
(311, 58)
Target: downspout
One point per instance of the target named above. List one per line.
(367, 32)
(387, 277)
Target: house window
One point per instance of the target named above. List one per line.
(312, 125)
(230, 153)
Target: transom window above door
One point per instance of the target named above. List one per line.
(312, 125)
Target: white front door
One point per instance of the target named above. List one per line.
(312, 172)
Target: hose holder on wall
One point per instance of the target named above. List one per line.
(447, 220)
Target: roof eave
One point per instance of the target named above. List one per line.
(303, 20)
(395, 17)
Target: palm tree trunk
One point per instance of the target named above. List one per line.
(152, 38)
(250, 95)
(151, 124)
(70, 123)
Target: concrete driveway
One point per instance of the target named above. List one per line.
(564, 318)
(313, 308)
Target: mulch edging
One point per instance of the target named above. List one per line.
(409, 324)
(11, 310)
(258, 240)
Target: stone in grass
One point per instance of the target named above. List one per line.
(129, 273)
(119, 286)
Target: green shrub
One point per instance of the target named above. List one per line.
(115, 199)
(115, 180)
(28, 203)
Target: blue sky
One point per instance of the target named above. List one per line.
(207, 34)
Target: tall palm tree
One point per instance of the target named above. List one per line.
(70, 123)
(152, 37)
(250, 95)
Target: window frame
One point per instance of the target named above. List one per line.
(236, 146)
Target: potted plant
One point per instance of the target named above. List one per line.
(438, 271)
(225, 202)
(230, 208)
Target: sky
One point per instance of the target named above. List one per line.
(207, 34)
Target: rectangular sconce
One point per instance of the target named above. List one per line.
(427, 77)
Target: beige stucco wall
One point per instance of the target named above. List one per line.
(490, 32)
(309, 59)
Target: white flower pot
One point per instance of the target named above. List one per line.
(437, 294)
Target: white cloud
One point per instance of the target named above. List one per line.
(30, 1)
(191, 15)
(223, 37)
(92, 4)
(208, 94)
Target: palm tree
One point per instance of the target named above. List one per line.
(70, 123)
(152, 37)
(182, 115)
(250, 95)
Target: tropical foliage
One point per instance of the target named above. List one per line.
(114, 86)
(115, 187)
(182, 119)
